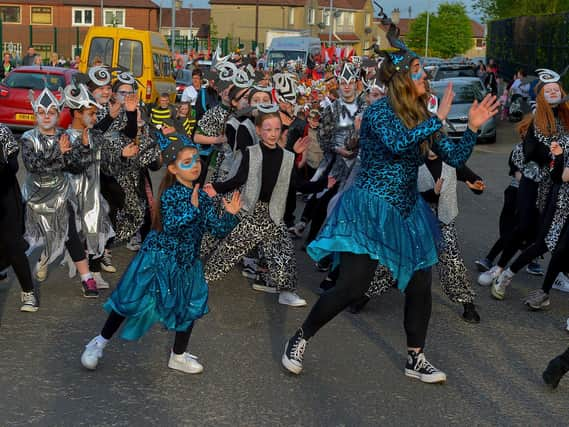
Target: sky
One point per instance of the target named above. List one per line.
(417, 6)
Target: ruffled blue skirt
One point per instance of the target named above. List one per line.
(364, 223)
(155, 288)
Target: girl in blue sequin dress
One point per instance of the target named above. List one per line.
(382, 218)
(165, 281)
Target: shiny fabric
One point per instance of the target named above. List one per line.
(165, 282)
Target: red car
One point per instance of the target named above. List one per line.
(15, 108)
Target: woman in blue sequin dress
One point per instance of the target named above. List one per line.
(382, 217)
(165, 281)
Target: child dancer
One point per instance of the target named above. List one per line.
(165, 282)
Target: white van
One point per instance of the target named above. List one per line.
(292, 49)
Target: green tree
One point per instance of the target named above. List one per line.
(450, 31)
(500, 9)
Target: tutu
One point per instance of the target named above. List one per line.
(155, 288)
(364, 223)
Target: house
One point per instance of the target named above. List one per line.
(348, 24)
(60, 25)
(478, 34)
(189, 22)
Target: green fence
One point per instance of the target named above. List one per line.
(227, 44)
(530, 42)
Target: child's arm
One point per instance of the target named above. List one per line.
(473, 181)
(220, 226)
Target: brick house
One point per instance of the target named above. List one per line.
(60, 25)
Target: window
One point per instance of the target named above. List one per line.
(40, 15)
(291, 16)
(166, 65)
(311, 16)
(339, 17)
(349, 19)
(156, 64)
(326, 17)
(130, 56)
(101, 50)
(114, 18)
(10, 14)
(368, 20)
(366, 44)
(76, 50)
(35, 80)
(82, 16)
(13, 48)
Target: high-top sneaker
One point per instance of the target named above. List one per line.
(107, 262)
(555, 371)
(29, 302)
(93, 352)
(294, 352)
(420, 368)
(498, 289)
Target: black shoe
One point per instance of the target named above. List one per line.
(3, 276)
(294, 352)
(327, 284)
(359, 305)
(555, 371)
(324, 264)
(470, 314)
(420, 368)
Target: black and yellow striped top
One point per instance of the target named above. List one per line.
(158, 115)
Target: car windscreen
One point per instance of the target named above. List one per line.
(276, 57)
(35, 80)
(184, 76)
(449, 73)
(463, 93)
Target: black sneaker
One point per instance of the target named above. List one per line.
(420, 368)
(555, 371)
(90, 288)
(359, 305)
(327, 284)
(324, 264)
(294, 352)
(470, 314)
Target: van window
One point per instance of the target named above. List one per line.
(166, 66)
(130, 56)
(156, 64)
(101, 49)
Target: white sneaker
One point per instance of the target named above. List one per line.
(291, 298)
(498, 289)
(101, 283)
(488, 277)
(185, 362)
(567, 326)
(29, 302)
(134, 243)
(561, 283)
(92, 353)
(41, 268)
(107, 262)
(263, 287)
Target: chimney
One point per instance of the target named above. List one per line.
(395, 16)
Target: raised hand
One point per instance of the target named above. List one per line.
(64, 144)
(131, 102)
(130, 150)
(234, 205)
(331, 182)
(480, 112)
(301, 144)
(556, 149)
(446, 103)
(195, 196)
(210, 191)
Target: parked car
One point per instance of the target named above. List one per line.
(466, 91)
(15, 107)
(183, 79)
(448, 71)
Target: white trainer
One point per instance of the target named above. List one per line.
(488, 277)
(561, 283)
(29, 302)
(92, 353)
(101, 283)
(185, 362)
(292, 299)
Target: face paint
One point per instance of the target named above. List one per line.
(190, 165)
(46, 120)
(417, 76)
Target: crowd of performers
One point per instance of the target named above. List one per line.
(365, 146)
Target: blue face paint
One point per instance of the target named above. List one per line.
(417, 76)
(195, 158)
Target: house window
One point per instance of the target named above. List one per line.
(76, 50)
(326, 17)
(480, 43)
(368, 20)
(311, 16)
(82, 16)
(114, 18)
(366, 44)
(291, 16)
(10, 14)
(41, 15)
(340, 18)
(349, 19)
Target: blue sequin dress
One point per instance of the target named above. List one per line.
(165, 281)
(382, 214)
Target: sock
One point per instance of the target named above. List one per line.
(86, 276)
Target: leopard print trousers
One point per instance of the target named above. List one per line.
(257, 229)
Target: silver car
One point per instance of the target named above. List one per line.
(466, 89)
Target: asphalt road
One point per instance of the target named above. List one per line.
(353, 368)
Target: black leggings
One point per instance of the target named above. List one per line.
(557, 265)
(16, 257)
(535, 250)
(115, 320)
(319, 213)
(73, 244)
(351, 287)
(508, 220)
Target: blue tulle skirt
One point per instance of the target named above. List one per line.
(154, 289)
(364, 223)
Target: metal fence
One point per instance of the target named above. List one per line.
(227, 44)
(530, 42)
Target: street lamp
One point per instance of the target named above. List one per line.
(427, 30)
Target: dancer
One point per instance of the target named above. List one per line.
(164, 282)
(12, 243)
(382, 218)
(556, 369)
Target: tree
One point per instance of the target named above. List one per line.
(450, 31)
(500, 9)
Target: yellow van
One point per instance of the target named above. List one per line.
(144, 53)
